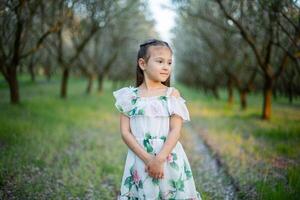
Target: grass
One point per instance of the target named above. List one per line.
(262, 156)
(68, 149)
(59, 149)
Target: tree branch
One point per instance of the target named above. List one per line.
(282, 66)
(39, 43)
(244, 34)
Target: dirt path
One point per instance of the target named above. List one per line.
(210, 177)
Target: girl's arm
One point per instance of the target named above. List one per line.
(174, 134)
(172, 139)
(156, 171)
(130, 140)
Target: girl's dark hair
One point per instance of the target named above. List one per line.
(143, 53)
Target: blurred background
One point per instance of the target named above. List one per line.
(236, 63)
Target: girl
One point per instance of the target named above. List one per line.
(151, 117)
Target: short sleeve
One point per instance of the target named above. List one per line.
(123, 100)
(176, 105)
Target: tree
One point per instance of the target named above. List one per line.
(269, 17)
(18, 20)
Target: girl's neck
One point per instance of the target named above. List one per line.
(152, 86)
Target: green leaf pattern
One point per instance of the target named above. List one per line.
(147, 142)
(135, 109)
(171, 159)
(133, 181)
(176, 184)
(155, 181)
(187, 171)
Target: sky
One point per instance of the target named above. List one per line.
(164, 18)
(165, 21)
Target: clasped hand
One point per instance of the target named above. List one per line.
(155, 167)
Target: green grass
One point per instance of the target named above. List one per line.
(66, 149)
(262, 156)
(59, 149)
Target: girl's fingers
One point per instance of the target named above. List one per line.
(161, 176)
(147, 169)
(154, 175)
(158, 176)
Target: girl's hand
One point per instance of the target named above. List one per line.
(155, 167)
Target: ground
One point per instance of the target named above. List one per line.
(72, 149)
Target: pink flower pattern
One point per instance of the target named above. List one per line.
(170, 158)
(135, 183)
(136, 177)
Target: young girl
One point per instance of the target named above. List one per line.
(151, 118)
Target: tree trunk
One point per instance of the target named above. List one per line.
(64, 83)
(275, 93)
(31, 71)
(13, 85)
(267, 105)
(243, 99)
(90, 84)
(230, 91)
(290, 93)
(100, 82)
(47, 71)
(215, 93)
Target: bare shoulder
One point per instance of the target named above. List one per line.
(175, 93)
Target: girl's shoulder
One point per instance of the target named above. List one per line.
(174, 92)
(127, 102)
(177, 104)
(175, 95)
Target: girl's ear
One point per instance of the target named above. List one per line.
(142, 63)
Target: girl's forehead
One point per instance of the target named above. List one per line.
(159, 51)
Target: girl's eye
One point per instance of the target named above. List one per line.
(159, 61)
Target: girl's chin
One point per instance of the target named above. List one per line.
(164, 78)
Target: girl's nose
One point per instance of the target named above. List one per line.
(166, 66)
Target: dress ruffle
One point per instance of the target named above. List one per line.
(125, 100)
(130, 104)
(151, 133)
(177, 106)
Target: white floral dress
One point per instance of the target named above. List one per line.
(149, 123)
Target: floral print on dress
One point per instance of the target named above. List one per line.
(172, 157)
(129, 103)
(178, 182)
(187, 171)
(163, 98)
(133, 179)
(148, 142)
(126, 102)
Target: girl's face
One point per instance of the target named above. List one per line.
(158, 67)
